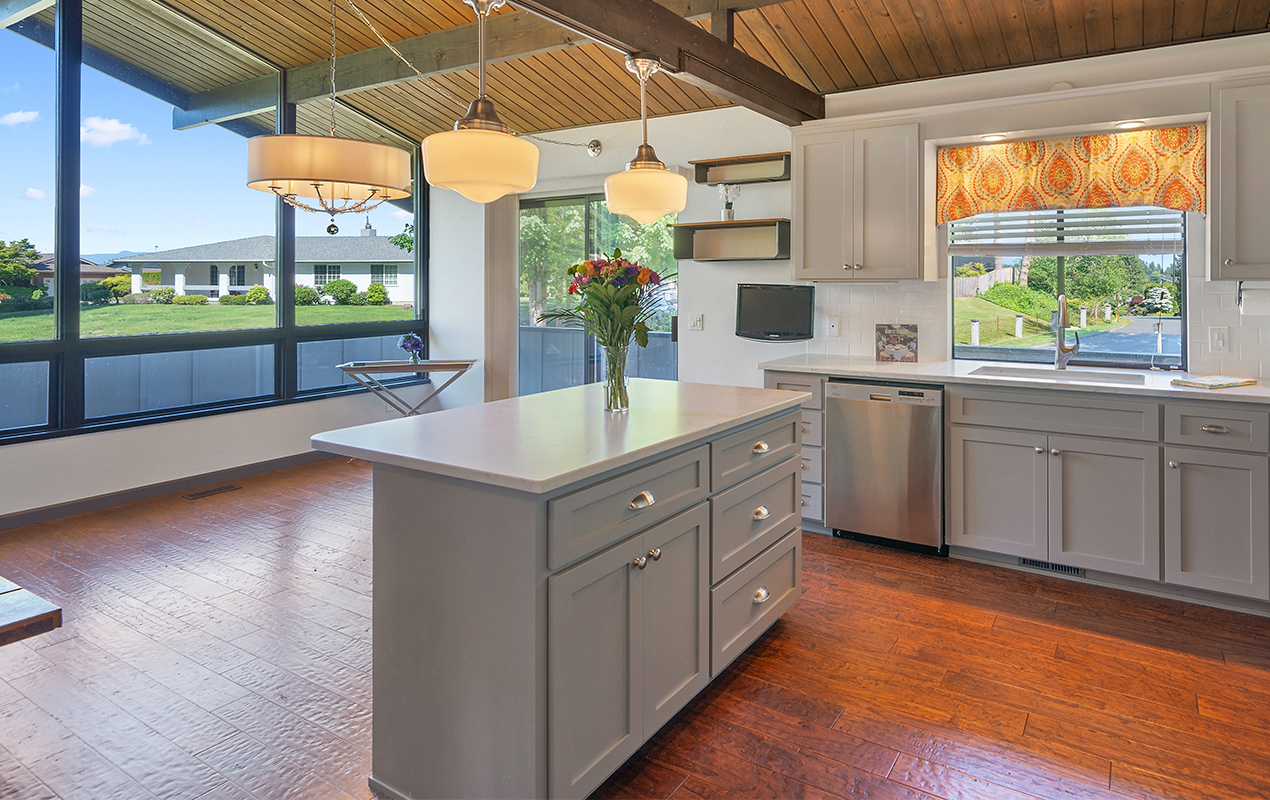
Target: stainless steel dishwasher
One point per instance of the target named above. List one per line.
(884, 459)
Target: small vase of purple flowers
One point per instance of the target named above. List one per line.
(413, 345)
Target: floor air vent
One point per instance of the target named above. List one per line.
(1045, 565)
(210, 492)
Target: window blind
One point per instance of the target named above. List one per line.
(1094, 231)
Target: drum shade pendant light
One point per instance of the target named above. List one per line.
(342, 176)
(480, 159)
(646, 191)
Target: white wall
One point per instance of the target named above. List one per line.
(456, 288)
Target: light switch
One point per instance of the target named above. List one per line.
(1218, 339)
(697, 322)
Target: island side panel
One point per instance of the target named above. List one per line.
(459, 621)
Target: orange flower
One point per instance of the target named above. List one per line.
(645, 275)
(590, 268)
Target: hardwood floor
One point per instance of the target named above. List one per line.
(220, 649)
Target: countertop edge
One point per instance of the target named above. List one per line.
(563, 479)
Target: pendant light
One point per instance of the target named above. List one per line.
(480, 159)
(646, 191)
(343, 176)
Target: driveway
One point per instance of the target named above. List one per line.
(1136, 335)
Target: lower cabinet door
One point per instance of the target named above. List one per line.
(595, 658)
(997, 491)
(1104, 505)
(676, 615)
(1217, 521)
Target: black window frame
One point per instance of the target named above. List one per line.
(67, 351)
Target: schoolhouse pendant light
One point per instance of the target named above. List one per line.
(480, 159)
(646, 191)
(340, 176)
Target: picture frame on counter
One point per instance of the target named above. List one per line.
(896, 343)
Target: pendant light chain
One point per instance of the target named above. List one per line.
(332, 67)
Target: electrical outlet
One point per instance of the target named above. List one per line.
(1218, 339)
(831, 325)
(697, 322)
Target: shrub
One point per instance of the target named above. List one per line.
(163, 295)
(95, 293)
(37, 294)
(138, 299)
(233, 300)
(10, 304)
(377, 295)
(20, 292)
(119, 285)
(1022, 299)
(341, 291)
(359, 299)
(306, 295)
(151, 278)
(190, 300)
(258, 295)
(971, 270)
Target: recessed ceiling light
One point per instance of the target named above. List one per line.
(993, 137)
(1130, 125)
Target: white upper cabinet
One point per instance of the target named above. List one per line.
(856, 209)
(1241, 167)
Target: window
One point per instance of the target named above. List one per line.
(238, 275)
(1121, 269)
(325, 273)
(384, 273)
(557, 233)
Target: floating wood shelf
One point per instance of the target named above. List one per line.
(738, 240)
(761, 168)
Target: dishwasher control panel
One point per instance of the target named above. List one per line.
(883, 394)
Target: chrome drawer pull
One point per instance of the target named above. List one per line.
(640, 562)
(1174, 464)
(655, 554)
(1218, 429)
(760, 447)
(761, 513)
(642, 500)
(761, 595)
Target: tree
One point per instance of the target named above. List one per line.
(16, 260)
(1159, 300)
(406, 239)
(971, 270)
(551, 241)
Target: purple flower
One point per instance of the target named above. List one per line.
(411, 343)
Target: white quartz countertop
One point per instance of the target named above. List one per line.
(1155, 384)
(542, 442)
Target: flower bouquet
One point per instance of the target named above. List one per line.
(412, 344)
(616, 299)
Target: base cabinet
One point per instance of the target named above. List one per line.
(628, 647)
(998, 489)
(1217, 521)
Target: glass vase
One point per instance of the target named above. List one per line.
(616, 397)
(414, 357)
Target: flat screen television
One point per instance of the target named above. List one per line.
(774, 312)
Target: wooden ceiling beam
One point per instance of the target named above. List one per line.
(694, 55)
(518, 34)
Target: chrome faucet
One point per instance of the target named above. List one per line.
(1063, 353)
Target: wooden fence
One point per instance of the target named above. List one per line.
(969, 287)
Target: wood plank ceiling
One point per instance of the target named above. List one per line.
(827, 45)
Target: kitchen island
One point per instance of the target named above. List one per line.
(552, 582)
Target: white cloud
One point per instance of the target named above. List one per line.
(101, 132)
(104, 229)
(15, 118)
(401, 215)
(13, 87)
(34, 194)
(85, 190)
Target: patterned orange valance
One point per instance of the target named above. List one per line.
(1163, 167)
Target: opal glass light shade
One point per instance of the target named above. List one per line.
(646, 194)
(327, 167)
(481, 165)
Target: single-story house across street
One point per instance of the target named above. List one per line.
(88, 272)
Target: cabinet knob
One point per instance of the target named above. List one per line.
(761, 595)
(1039, 449)
(642, 500)
(1218, 429)
(1056, 452)
(805, 467)
(761, 513)
(846, 266)
(1229, 261)
(804, 502)
(640, 563)
(655, 554)
(857, 266)
(760, 447)
(1174, 464)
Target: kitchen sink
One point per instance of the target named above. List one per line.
(1062, 376)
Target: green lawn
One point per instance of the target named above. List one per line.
(134, 320)
(996, 325)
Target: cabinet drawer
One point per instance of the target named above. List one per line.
(1221, 427)
(747, 518)
(788, 382)
(813, 465)
(746, 604)
(752, 450)
(813, 502)
(1055, 412)
(812, 428)
(595, 517)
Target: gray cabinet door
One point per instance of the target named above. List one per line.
(1104, 505)
(1217, 521)
(996, 491)
(1241, 217)
(595, 620)
(823, 219)
(676, 615)
(886, 208)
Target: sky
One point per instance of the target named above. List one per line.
(143, 185)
